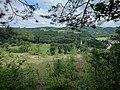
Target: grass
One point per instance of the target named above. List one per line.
(43, 61)
(63, 31)
(45, 47)
(102, 38)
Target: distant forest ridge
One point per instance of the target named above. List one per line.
(98, 31)
(66, 28)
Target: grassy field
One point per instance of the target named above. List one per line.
(102, 38)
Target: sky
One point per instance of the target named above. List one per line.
(44, 6)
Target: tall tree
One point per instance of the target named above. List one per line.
(105, 67)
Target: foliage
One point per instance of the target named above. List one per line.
(63, 75)
(39, 49)
(6, 34)
(80, 13)
(74, 50)
(96, 44)
(84, 48)
(62, 48)
(19, 36)
(23, 34)
(14, 75)
(105, 68)
(53, 36)
(24, 48)
(56, 52)
(8, 9)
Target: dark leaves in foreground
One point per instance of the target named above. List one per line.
(9, 12)
(80, 13)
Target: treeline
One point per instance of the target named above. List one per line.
(58, 39)
(100, 31)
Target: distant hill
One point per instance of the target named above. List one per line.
(100, 31)
(97, 32)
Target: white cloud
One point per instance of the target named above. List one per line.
(51, 2)
(46, 3)
(41, 12)
(46, 22)
(110, 24)
(41, 21)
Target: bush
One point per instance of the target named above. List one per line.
(63, 76)
(24, 48)
(14, 77)
(35, 50)
(104, 72)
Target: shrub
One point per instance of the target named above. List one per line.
(14, 77)
(63, 76)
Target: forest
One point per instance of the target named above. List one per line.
(79, 56)
(60, 56)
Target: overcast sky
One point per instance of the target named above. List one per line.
(44, 6)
